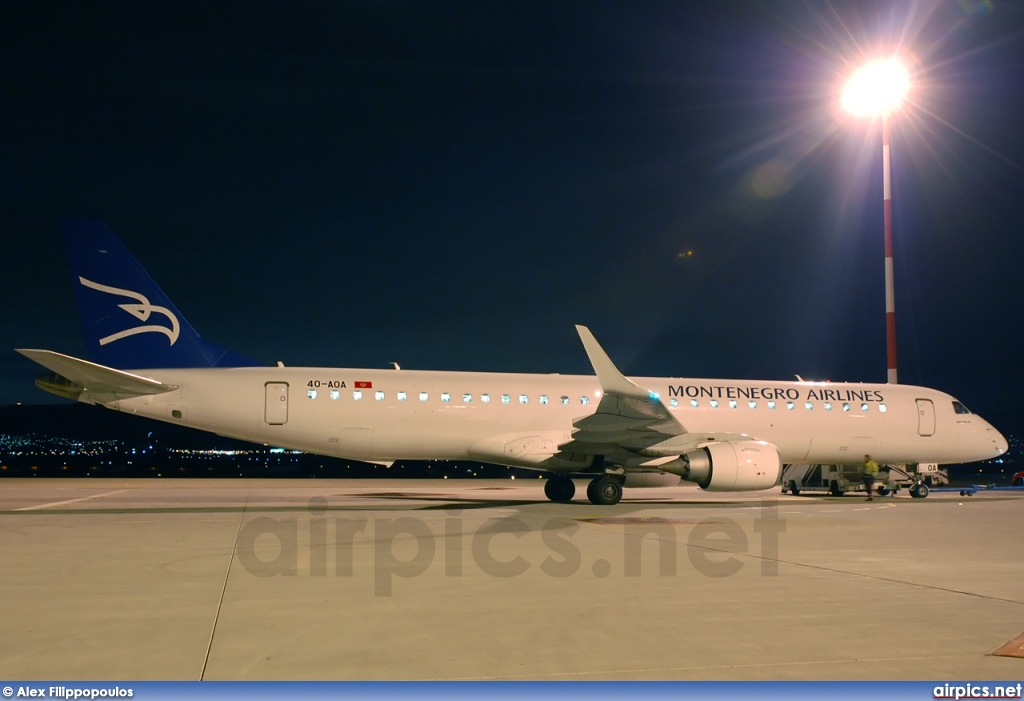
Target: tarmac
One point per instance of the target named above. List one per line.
(487, 580)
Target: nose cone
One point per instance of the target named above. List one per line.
(979, 440)
(999, 442)
(993, 440)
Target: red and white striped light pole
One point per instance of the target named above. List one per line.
(877, 90)
(890, 293)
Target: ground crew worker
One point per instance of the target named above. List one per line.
(870, 470)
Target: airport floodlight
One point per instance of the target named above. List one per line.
(876, 89)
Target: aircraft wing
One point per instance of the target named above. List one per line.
(628, 419)
(98, 380)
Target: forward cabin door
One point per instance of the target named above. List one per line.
(925, 417)
(275, 412)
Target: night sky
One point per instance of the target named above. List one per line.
(453, 185)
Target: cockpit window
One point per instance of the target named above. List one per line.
(960, 408)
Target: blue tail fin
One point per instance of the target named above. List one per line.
(128, 321)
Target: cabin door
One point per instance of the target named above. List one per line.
(925, 417)
(275, 411)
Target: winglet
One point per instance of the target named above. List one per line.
(612, 381)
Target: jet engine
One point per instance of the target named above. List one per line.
(730, 466)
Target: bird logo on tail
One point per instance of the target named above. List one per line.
(141, 311)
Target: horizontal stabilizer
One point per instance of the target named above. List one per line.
(96, 379)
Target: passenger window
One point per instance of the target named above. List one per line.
(733, 404)
(467, 398)
(809, 406)
(424, 396)
(791, 405)
(584, 400)
(828, 406)
(379, 396)
(713, 403)
(506, 398)
(335, 394)
(311, 394)
(565, 400)
(523, 399)
(863, 407)
(357, 394)
(673, 402)
(771, 405)
(752, 404)
(846, 406)
(543, 399)
(882, 408)
(485, 398)
(402, 396)
(694, 403)
(446, 396)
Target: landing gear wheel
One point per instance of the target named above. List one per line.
(559, 489)
(604, 491)
(919, 491)
(834, 489)
(793, 489)
(883, 491)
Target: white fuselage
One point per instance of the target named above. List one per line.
(521, 419)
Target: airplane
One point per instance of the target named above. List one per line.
(616, 431)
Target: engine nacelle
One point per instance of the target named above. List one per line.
(730, 466)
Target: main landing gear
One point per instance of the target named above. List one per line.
(605, 490)
(559, 489)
